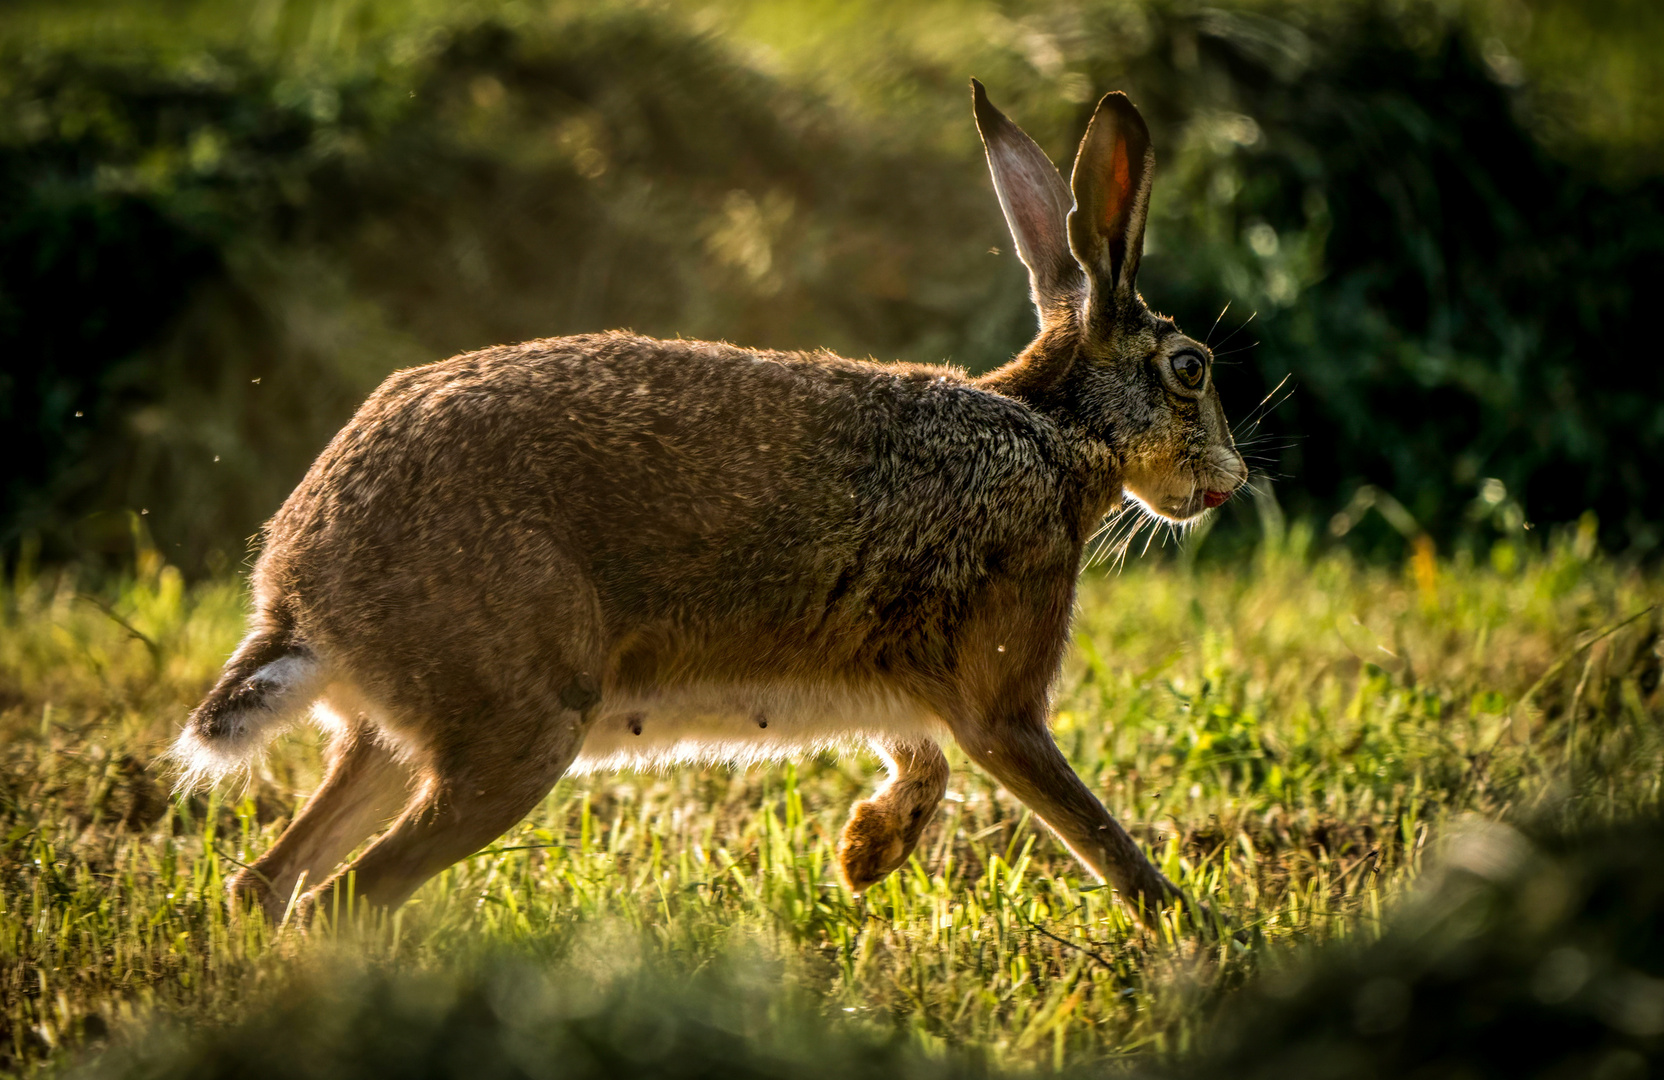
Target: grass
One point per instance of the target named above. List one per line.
(1289, 736)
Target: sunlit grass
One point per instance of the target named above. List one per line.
(1289, 738)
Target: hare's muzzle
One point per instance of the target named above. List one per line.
(1212, 499)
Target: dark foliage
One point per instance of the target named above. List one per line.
(1478, 303)
(263, 236)
(85, 283)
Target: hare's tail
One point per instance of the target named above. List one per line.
(269, 682)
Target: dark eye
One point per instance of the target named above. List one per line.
(1188, 369)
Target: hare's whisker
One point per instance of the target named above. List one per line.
(1237, 331)
(1115, 521)
(1209, 338)
(1250, 424)
(1121, 536)
(1124, 545)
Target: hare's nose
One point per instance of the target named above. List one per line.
(1232, 468)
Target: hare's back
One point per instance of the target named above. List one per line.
(669, 471)
(672, 435)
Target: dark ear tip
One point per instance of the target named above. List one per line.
(986, 115)
(1116, 101)
(1119, 103)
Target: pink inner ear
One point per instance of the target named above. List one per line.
(1119, 174)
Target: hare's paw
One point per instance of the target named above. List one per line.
(874, 842)
(251, 892)
(320, 900)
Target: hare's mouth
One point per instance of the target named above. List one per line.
(1183, 495)
(1186, 508)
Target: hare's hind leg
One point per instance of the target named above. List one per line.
(508, 685)
(363, 788)
(471, 794)
(883, 830)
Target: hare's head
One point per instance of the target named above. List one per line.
(1124, 374)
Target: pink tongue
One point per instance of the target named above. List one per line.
(1215, 498)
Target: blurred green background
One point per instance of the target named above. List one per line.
(222, 223)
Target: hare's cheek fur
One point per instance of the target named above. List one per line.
(1174, 447)
(1185, 455)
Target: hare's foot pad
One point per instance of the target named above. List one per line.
(873, 843)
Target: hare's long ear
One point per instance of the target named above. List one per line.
(1036, 202)
(1112, 198)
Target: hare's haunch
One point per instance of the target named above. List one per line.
(613, 552)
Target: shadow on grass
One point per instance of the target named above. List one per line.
(1536, 954)
(510, 1018)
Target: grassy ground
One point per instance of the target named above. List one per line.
(1290, 737)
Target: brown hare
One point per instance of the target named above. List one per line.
(607, 551)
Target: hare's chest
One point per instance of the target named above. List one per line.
(743, 723)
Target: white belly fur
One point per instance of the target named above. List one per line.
(744, 724)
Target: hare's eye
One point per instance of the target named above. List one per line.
(1187, 368)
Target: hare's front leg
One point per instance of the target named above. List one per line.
(1018, 749)
(883, 831)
